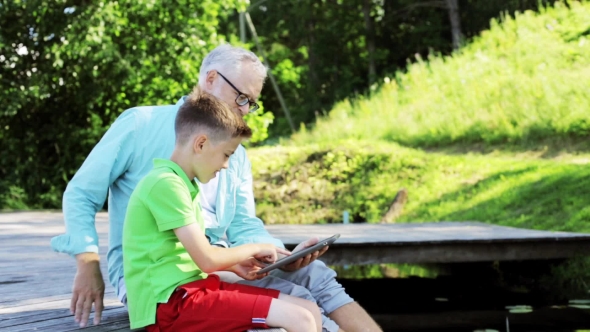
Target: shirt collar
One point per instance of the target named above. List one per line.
(192, 185)
(181, 101)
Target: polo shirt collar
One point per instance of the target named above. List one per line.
(192, 186)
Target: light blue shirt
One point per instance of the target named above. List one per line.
(124, 156)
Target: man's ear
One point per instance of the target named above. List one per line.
(210, 79)
(198, 143)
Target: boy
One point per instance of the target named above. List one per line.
(167, 256)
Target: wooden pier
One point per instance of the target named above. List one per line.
(35, 282)
(442, 242)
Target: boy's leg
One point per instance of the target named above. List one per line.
(288, 287)
(289, 312)
(321, 282)
(294, 314)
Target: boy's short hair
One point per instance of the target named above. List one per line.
(204, 113)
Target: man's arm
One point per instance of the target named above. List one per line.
(84, 197)
(247, 228)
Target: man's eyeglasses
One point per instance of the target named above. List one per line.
(242, 99)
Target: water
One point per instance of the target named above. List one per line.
(462, 297)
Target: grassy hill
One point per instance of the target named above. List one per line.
(524, 80)
(524, 83)
(316, 183)
(499, 132)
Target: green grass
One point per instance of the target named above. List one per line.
(316, 183)
(524, 80)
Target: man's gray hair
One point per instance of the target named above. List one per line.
(226, 58)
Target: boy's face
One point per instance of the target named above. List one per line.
(213, 157)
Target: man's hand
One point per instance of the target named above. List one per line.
(247, 269)
(305, 261)
(88, 288)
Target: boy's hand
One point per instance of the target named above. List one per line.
(247, 269)
(305, 261)
(88, 288)
(268, 253)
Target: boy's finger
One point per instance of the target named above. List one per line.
(258, 263)
(283, 251)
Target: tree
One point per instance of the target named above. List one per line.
(68, 68)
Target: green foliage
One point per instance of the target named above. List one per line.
(69, 68)
(569, 279)
(259, 123)
(320, 51)
(517, 83)
(316, 183)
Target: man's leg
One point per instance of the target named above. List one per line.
(352, 317)
(321, 282)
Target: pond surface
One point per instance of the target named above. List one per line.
(461, 297)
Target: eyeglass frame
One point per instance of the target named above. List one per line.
(240, 93)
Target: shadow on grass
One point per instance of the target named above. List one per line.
(548, 148)
(559, 200)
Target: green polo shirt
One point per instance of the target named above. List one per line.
(154, 260)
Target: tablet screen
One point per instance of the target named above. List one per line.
(299, 254)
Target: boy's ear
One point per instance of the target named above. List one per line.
(198, 143)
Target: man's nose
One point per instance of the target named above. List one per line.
(245, 109)
(225, 164)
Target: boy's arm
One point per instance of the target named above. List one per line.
(211, 258)
(172, 207)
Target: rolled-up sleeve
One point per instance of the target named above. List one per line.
(87, 191)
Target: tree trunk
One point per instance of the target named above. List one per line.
(453, 8)
(397, 206)
(370, 35)
(314, 81)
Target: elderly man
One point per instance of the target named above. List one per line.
(124, 155)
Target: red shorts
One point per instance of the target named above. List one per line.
(214, 305)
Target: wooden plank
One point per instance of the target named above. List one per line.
(453, 252)
(444, 242)
(418, 233)
(35, 282)
(62, 322)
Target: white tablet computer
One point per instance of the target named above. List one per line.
(299, 254)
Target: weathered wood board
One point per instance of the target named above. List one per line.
(35, 282)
